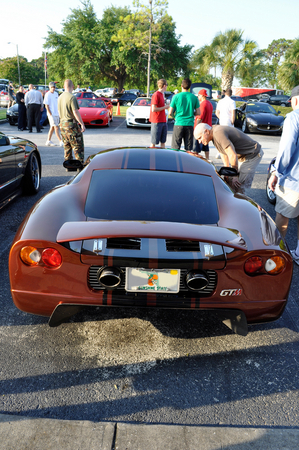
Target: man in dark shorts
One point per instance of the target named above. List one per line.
(158, 116)
(71, 123)
(206, 110)
(236, 149)
(183, 106)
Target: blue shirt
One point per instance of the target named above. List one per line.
(287, 161)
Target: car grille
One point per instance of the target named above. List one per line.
(124, 243)
(207, 291)
(97, 122)
(176, 245)
(269, 127)
(144, 121)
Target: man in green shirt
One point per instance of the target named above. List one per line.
(183, 106)
(71, 123)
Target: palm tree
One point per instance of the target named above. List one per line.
(227, 52)
(288, 72)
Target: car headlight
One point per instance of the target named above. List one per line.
(251, 121)
(130, 115)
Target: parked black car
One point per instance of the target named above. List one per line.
(20, 168)
(12, 115)
(123, 99)
(281, 100)
(258, 117)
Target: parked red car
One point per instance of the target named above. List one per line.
(94, 112)
(107, 101)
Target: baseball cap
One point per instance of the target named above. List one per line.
(295, 91)
(51, 84)
(203, 92)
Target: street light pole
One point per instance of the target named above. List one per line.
(18, 61)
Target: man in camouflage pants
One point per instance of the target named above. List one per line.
(71, 123)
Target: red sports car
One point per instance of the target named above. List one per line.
(84, 95)
(94, 112)
(152, 228)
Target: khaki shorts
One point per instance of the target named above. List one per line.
(53, 121)
(287, 202)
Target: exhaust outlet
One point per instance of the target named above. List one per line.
(109, 277)
(196, 281)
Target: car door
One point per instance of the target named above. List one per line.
(7, 168)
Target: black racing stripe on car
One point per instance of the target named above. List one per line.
(138, 160)
(168, 160)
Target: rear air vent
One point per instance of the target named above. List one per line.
(124, 243)
(176, 245)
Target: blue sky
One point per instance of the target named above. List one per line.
(26, 23)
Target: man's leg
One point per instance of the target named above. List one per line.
(177, 137)
(188, 138)
(282, 224)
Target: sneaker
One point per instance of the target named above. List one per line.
(218, 156)
(295, 257)
(61, 144)
(50, 144)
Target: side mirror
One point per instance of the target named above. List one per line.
(4, 140)
(227, 172)
(278, 112)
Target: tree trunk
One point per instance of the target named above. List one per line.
(227, 79)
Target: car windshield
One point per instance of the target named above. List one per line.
(150, 195)
(91, 103)
(260, 108)
(142, 102)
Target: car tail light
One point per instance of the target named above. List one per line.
(51, 257)
(275, 265)
(253, 265)
(30, 256)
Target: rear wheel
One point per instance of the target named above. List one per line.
(283, 104)
(32, 175)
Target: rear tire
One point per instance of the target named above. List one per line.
(31, 181)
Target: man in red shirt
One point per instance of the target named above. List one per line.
(206, 109)
(158, 116)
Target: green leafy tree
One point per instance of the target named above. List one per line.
(76, 51)
(288, 72)
(274, 56)
(149, 33)
(29, 72)
(228, 51)
(251, 70)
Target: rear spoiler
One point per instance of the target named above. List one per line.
(77, 231)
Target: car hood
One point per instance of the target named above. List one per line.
(265, 118)
(140, 111)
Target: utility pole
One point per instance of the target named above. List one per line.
(149, 50)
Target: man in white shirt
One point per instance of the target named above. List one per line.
(226, 110)
(51, 103)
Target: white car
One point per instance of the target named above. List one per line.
(138, 114)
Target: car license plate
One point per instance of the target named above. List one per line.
(158, 280)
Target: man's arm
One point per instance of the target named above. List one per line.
(217, 113)
(156, 108)
(231, 158)
(79, 119)
(171, 110)
(233, 116)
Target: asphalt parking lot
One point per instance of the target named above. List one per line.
(142, 366)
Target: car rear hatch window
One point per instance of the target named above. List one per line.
(148, 195)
